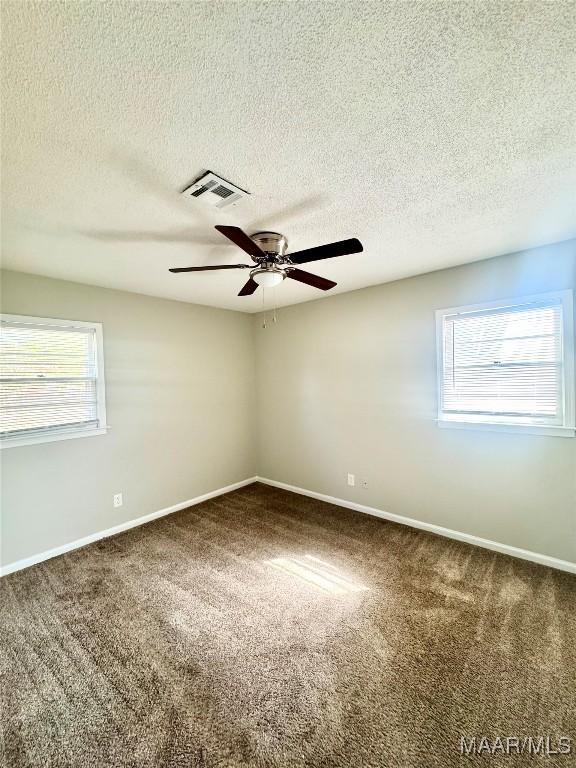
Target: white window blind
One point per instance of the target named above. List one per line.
(49, 377)
(505, 364)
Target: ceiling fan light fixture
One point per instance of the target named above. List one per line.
(268, 278)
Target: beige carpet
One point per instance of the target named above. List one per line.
(362, 644)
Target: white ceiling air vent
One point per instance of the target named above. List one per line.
(214, 191)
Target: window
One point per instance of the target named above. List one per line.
(508, 365)
(51, 379)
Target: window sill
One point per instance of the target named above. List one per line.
(51, 437)
(519, 429)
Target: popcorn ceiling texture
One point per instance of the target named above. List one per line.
(438, 133)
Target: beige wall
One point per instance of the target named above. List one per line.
(179, 396)
(348, 384)
(344, 384)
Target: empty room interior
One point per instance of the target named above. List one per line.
(287, 370)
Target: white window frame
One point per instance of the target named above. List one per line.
(52, 434)
(568, 428)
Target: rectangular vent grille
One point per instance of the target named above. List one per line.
(214, 191)
(223, 191)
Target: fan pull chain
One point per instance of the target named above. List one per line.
(274, 308)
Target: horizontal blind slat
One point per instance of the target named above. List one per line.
(505, 361)
(48, 377)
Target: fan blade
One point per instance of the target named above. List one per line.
(206, 269)
(248, 288)
(242, 240)
(341, 248)
(307, 277)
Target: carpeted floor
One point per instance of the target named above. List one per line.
(267, 629)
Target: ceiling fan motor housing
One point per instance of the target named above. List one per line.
(273, 244)
(268, 251)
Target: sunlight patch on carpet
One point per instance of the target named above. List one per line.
(320, 574)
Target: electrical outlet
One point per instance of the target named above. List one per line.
(118, 501)
(351, 479)
(364, 483)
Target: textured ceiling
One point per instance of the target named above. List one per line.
(438, 133)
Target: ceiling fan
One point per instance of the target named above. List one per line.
(272, 264)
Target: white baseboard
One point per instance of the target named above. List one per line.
(506, 549)
(18, 565)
